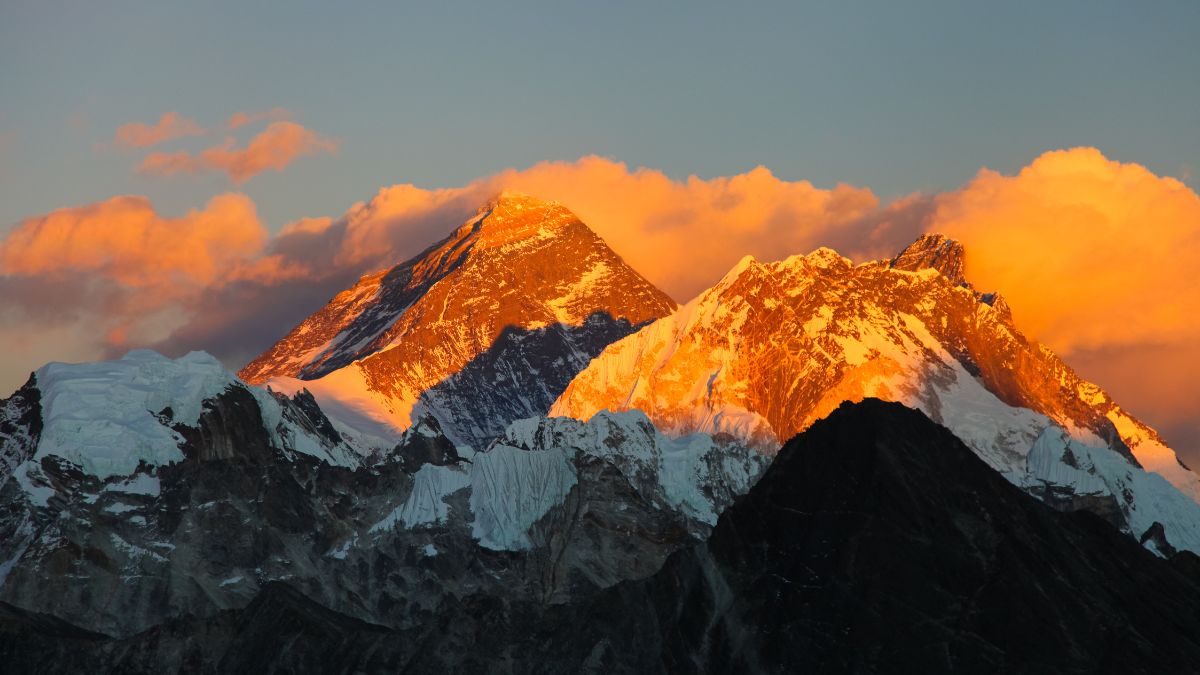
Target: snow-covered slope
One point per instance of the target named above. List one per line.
(111, 419)
(105, 416)
(775, 346)
(482, 328)
(553, 511)
(532, 468)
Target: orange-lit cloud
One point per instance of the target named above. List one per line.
(1089, 252)
(1095, 256)
(241, 119)
(683, 235)
(273, 149)
(1159, 382)
(1099, 261)
(213, 280)
(170, 126)
(125, 240)
(106, 276)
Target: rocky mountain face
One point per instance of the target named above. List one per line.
(126, 517)
(396, 499)
(20, 427)
(979, 577)
(774, 347)
(484, 327)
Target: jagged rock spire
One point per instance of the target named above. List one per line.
(934, 251)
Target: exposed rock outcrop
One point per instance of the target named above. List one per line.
(875, 543)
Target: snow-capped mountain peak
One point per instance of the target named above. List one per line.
(774, 347)
(514, 302)
(112, 422)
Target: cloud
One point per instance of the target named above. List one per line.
(214, 280)
(170, 126)
(116, 273)
(277, 146)
(1094, 255)
(241, 119)
(125, 240)
(1098, 259)
(1090, 252)
(682, 235)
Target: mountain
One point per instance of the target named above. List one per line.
(118, 418)
(775, 346)
(485, 327)
(878, 543)
(146, 488)
(91, 453)
(395, 497)
(875, 543)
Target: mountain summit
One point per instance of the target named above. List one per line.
(774, 347)
(933, 251)
(498, 316)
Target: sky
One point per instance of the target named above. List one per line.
(202, 175)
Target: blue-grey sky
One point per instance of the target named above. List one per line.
(896, 97)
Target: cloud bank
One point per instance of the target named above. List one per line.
(90, 281)
(1094, 255)
(123, 240)
(683, 235)
(1089, 251)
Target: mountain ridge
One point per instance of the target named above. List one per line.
(980, 577)
(774, 346)
(170, 487)
(520, 264)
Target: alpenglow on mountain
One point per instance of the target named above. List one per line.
(490, 453)
(774, 347)
(485, 327)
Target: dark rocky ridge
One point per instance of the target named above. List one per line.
(20, 427)
(424, 443)
(876, 543)
(123, 554)
(879, 543)
(230, 427)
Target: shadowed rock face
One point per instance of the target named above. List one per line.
(517, 377)
(559, 510)
(230, 427)
(424, 443)
(876, 543)
(20, 427)
(31, 642)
